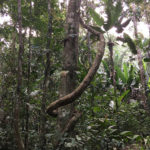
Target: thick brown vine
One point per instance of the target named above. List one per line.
(67, 99)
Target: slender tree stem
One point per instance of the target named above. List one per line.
(46, 76)
(140, 63)
(19, 82)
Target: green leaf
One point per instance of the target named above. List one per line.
(122, 96)
(96, 109)
(120, 74)
(137, 137)
(98, 20)
(113, 131)
(131, 75)
(146, 42)
(130, 43)
(146, 59)
(108, 25)
(118, 10)
(144, 65)
(78, 138)
(126, 133)
(106, 67)
(125, 69)
(98, 29)
(149, 83)
(113, 13)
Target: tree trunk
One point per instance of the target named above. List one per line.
(46, 76)
(67, 116)
(19, 82)
(140, 63)
(28, 86)
(112, 70)
(90, 58)
(70, 55)
(71, 97)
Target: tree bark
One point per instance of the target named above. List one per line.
(19, 140)
(69, 68)
(140, 63)
(46, 78)
(67, 116)
(90, 58)
(112, 72)
(70, 54)
(69, 98)
(26, 142)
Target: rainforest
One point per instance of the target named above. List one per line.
(74, 74)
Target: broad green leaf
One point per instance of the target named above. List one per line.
(126, 133)
(113, 13)
(96, 109)
(149, 83)
(130, 43)
(146, 42)
(98, 29)
(125, 69)
(112, 131)
(144, 65)
(118, 9)
(98, 20)
(106, 67)
(131, 75)
(122, 96)
(108, 25)
(120, 74)
(146, 59)
(78, 138)
(137, 137)
(116, 12)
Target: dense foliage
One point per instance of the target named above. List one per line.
(114, 112)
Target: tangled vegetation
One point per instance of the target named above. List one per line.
(75, 75)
